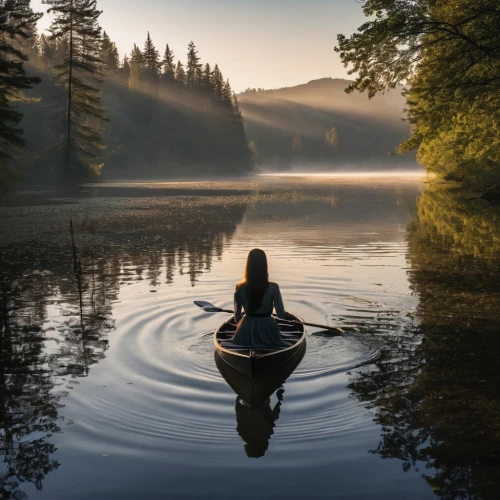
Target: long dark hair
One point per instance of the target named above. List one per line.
(256, 277)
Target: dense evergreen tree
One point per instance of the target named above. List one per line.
(217, 82)
(206, 78)
(124, 70)
(227, 94)
(109, 55)
(46, 49)
(151, 61)
(180, 74)
(17, 20)
(193, 67)
(136, 67)
(79, 74)
(168, 65)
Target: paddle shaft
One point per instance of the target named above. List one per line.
(292, 322)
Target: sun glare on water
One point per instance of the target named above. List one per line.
(416, 174)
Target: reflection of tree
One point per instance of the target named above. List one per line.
(181, 237)
(95, 286)
(37, 347)
(28, 406)
(439, 401)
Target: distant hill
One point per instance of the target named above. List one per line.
(292, 127)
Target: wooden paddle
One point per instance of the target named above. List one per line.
(208, 307)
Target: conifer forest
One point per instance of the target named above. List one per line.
(70, 105)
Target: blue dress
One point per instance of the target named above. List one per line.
(259, 331)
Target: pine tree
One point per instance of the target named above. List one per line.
(136, 67)
(16, 20)
(227, 94)
(199, 78)
(79, 74)
(168, 65)
(109, 55)
(124, 70)
(236, 107)
(151, 58)
(180, 74)
(206, 78)
(217, 82)
(193, 67)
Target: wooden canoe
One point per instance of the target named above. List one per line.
(256, 392)
(255, 361)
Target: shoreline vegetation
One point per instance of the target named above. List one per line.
(71, 111)
(448, 55)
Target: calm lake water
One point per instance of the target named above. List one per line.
(109, 388)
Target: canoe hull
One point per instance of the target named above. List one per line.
(254, 362)
(256, 392)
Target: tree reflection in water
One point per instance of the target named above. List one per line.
(38, 352)
(437, 395)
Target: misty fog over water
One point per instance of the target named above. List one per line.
(129, 394)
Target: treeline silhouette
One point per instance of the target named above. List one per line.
(93, 114)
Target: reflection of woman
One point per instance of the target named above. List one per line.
(257, 296)
(256, 425)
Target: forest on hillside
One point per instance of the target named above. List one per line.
(82, 112)
(316, 126)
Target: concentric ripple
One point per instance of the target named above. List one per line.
(159, 393)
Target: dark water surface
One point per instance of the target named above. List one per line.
(108, 383)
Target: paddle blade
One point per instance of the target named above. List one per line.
(206, 306)
(203, 304)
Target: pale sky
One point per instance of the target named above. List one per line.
(258, 43)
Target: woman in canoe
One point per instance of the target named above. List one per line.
(257, 296)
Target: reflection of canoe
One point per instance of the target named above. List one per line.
(253, 361)
(257, 391)
(255, 416)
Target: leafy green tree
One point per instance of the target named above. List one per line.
(17, 20)
(79, 74)
(193, 67)
(448, 53)
(168, 65)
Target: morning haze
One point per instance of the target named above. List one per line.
(269, 44)
(231, 267)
